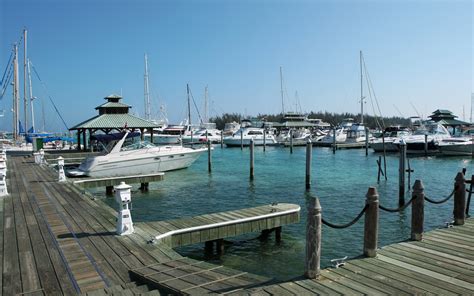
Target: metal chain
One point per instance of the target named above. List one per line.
(398, 209)
(348, 224)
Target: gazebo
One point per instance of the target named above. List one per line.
(113, 116)
(447, 118)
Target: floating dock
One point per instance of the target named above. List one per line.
(55, 240)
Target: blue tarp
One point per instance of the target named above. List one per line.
(113, 137)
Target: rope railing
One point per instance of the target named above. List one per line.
(399, 209)
(347, 224)
(437, 202)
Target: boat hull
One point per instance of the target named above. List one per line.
(236, 142)
(456, 149)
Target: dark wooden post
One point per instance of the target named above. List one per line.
(251, 159)
(109, 190)
(334, 141)
(366, 141)
(278, 234)
(142, 134)
(220, 246)
(309, 156)
(426, 145)
(379, 165)
(222, 139)
(264, 139)
(313, 239)
(241, 139)
(291, 141)
(417, 211)
(459, 199)
(401, 173)
(471, 188)
(209, 247)
(371, 223)
(209, 157)
(78, 140)
(151, 135)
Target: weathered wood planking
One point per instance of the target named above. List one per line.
(443, 264)
(192, 230)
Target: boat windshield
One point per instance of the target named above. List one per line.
(432, 129)
(137, 145)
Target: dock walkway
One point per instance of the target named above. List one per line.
(54, 240)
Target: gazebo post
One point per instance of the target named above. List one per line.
(84, 139)
(142, 134)
(78, 140)
(151, 134)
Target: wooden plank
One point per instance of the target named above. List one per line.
(352, 281)
(11, 264)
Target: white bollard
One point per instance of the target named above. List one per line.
(123, 198)
(62, 175)
(3, 184)
(41, 157)
(37, 156)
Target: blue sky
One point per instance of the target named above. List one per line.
(418, 53)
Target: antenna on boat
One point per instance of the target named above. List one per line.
(31, 97)
(189, 104)
(25, 59)
(472, 101)
(147, 93)
(205, 104)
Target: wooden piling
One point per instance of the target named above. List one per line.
(144, 186)
(417, 211)
(379, 168)
(371, 223)
(220, 246)
(459, 199)
(426, 145)
(264, 139)
(251, 159)
(291, 141)
(278, 234)
(471, 188)
(334, 141)
(313, 239)
(109, 190)
(241, 139)
(209, 247)
(222, 140)
(401, 173)
(209, 157)
(309, 156)
(366, 141)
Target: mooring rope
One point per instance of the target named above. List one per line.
(440, 201)
(348, 224)
(399, 209)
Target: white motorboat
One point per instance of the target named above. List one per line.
(357, 134)
(341, 133)
(245, 134)
(298, 137)
(461, 146)
(172, 134)
(390, 134)
(203, 135)
(137, 158)
(230, 128)
(428, 135)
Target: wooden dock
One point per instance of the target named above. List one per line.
(112, 181)
(57, 241)
(204, 228)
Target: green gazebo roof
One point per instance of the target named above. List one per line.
(111, 121)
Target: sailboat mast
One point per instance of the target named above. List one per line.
(31, 98)
(472, 101)
(25, 99)
(205, 105)
(281, 91)
(147, 93)
(16, 91)
(361, 92)
(189, 105)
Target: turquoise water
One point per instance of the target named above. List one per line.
(340, 181)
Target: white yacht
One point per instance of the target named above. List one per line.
(357, 134)
(137, 158)
(390, 134)
(434, 133)
(245, 134)
(300, 137)
(203, 135)
(341, 133)
(461, 146)
(172, 134)
(230, 128)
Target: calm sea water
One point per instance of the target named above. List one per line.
(340, 181)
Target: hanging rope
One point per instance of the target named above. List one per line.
(348, 224)
(440, 201)
(398, 209)
(195, 106)
(51, 99)
(7, 68)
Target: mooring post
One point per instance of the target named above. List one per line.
(209, 247)
(459, 199)
(313, 239)
(220, 246)
(334, 141)
(251, 159)
(379, 168)
(417, 211)
(366, 141)
(471, 188)
(291, 141)
(124, 198)
(309, 156)
(278, 234)
(401, 173)
(426, 145)
(371, 224)
(241, 139)
(264, 139)
(464, 171)
(222, 140)
(209, 157)
(109, 190)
